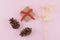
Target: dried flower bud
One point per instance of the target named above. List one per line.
(26, 31)
(14, 23)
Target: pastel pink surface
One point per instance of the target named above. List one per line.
(11, 8)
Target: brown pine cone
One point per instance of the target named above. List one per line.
(26, 31)
(14, 23)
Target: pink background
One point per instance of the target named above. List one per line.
(11, 8)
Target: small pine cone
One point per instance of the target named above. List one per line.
(26, 31)
(14, 23)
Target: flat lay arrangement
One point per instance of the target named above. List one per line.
(28, 14)
(29, 20)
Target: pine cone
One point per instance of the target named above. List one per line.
(26, 31)
(14, 23)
